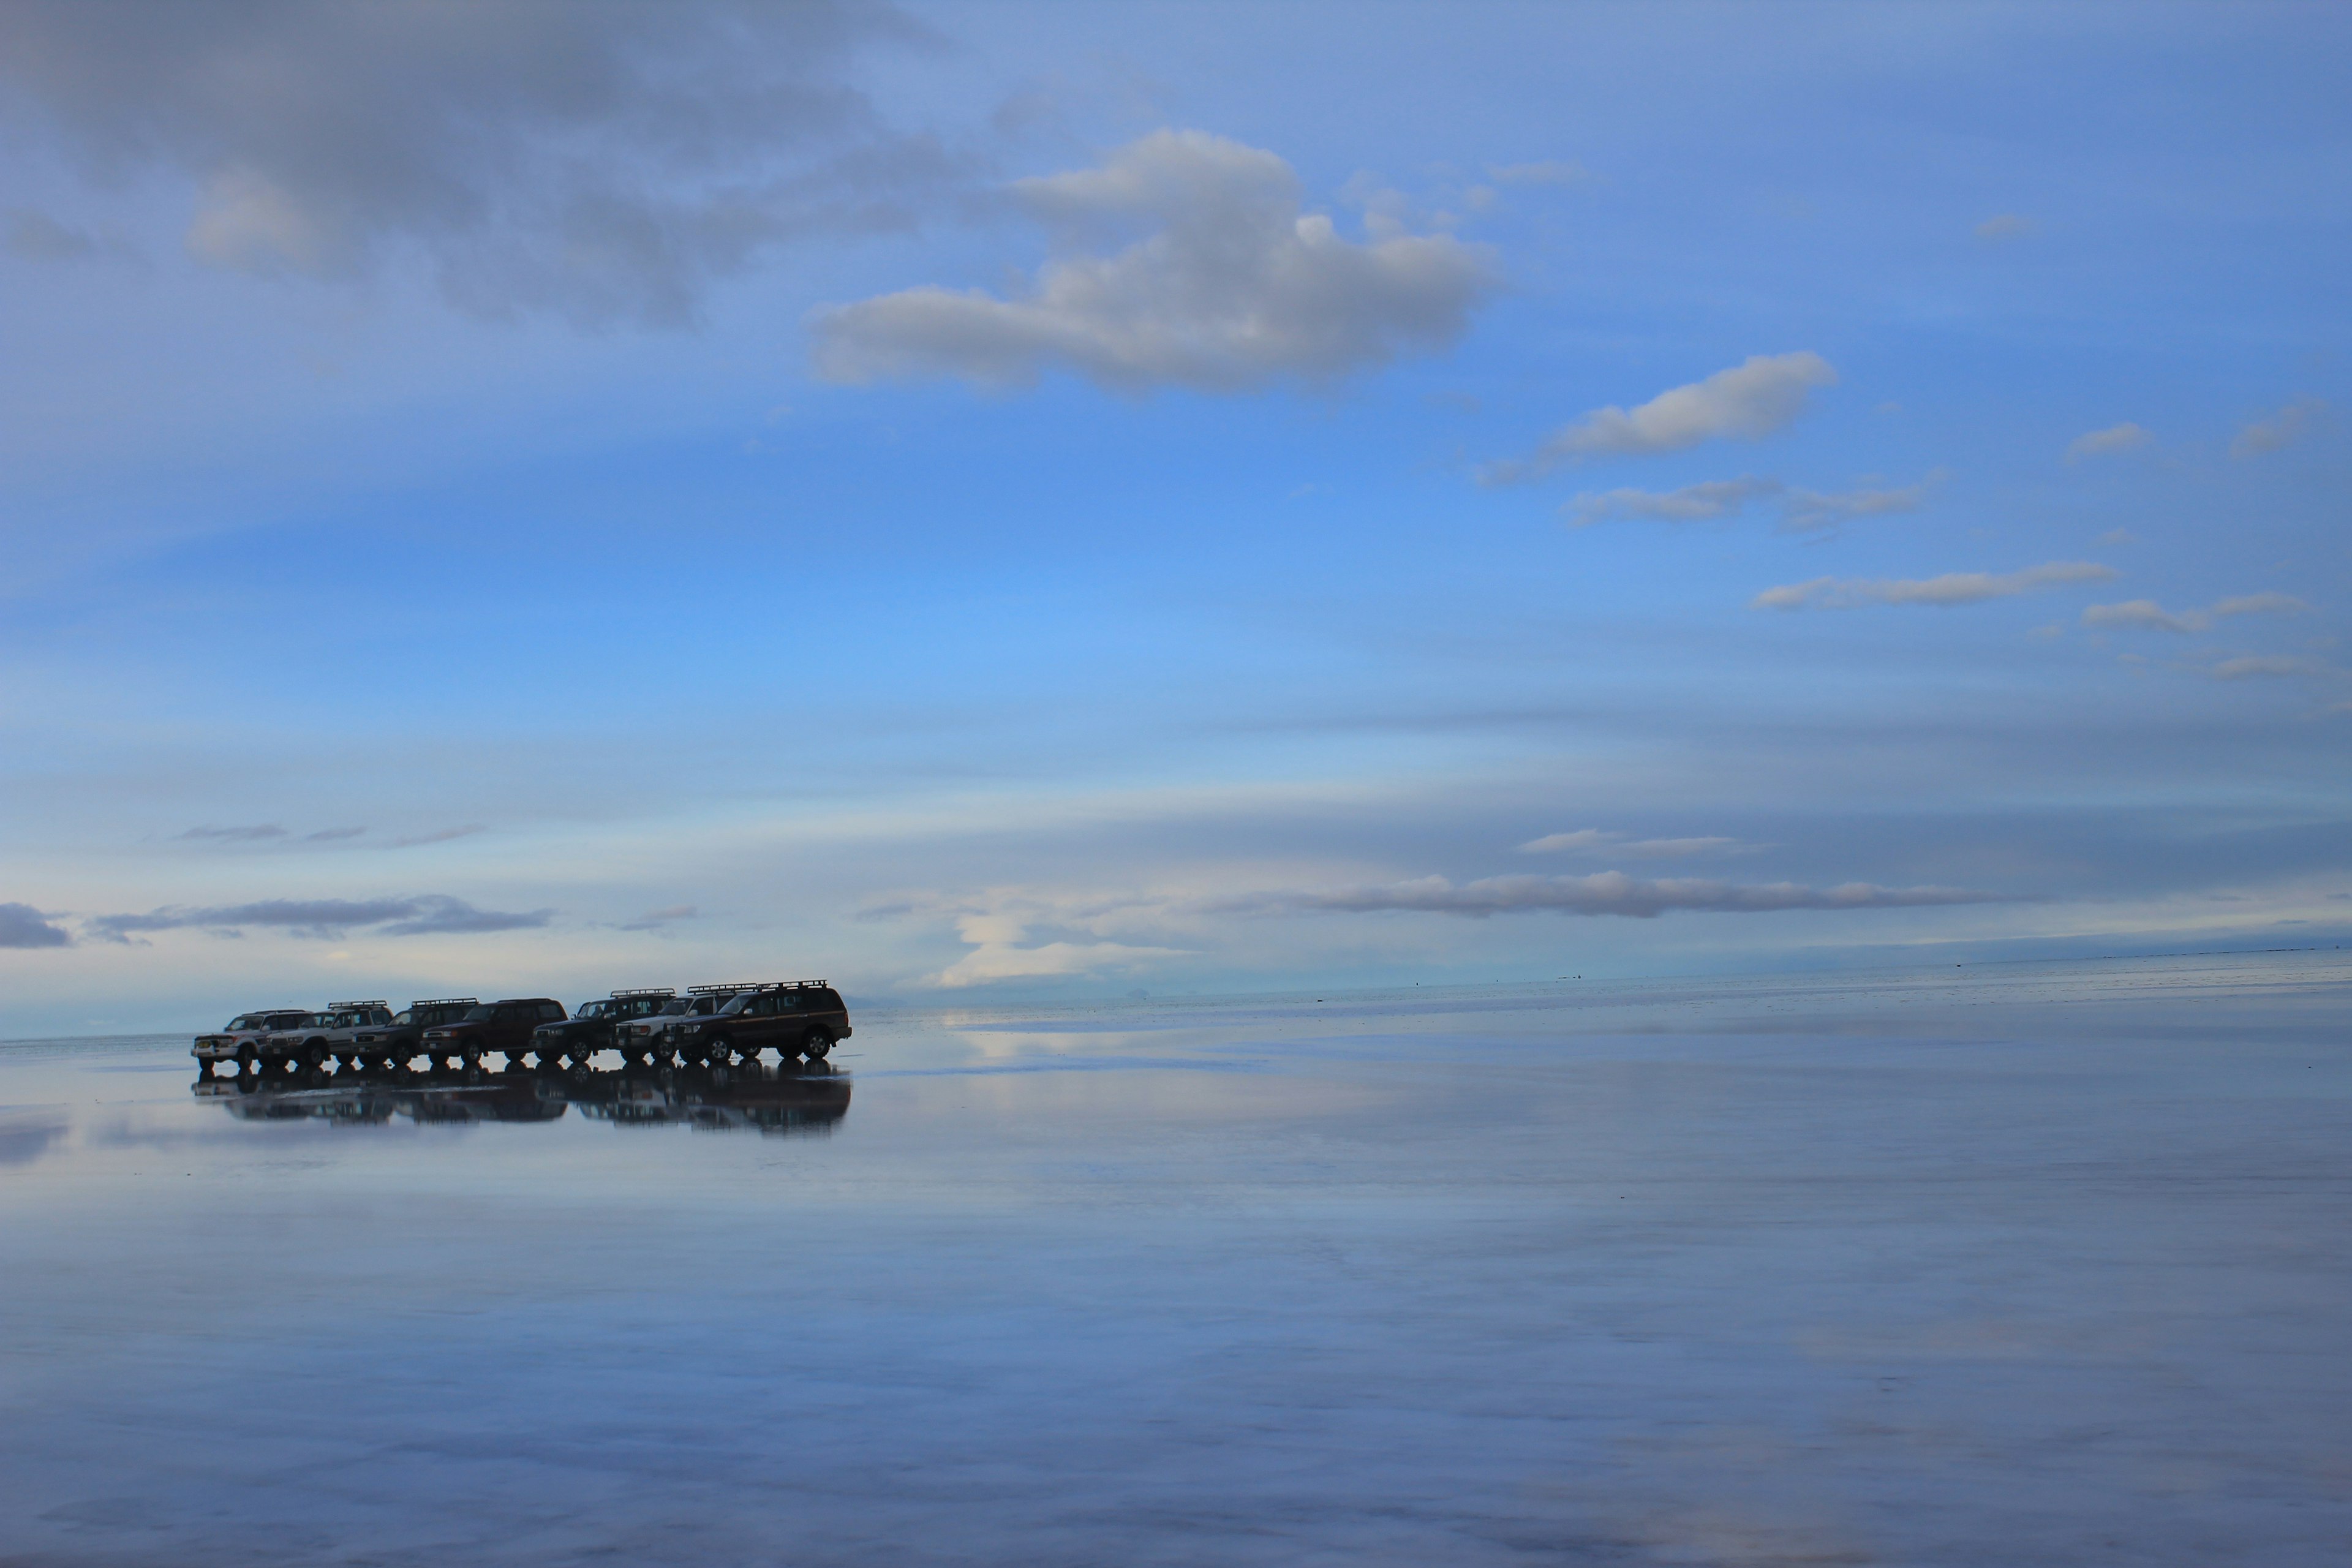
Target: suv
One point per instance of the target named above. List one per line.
(318, 1037)
(656, 1037)
(503, 1026)
(596, 1025)
(798, 1018)
(391, 1044)
(240, 1038)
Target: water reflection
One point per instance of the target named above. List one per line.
(795, 1097)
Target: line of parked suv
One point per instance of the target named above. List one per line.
(711, 1025)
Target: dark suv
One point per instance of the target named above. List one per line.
(503, 1026)
(798, 1018)
(391, 1044)
(596, 1025)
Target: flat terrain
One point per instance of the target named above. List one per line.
(2020, 1265)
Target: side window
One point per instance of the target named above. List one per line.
(510, 1016)
(550, 1011)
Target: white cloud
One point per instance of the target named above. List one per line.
(1583, 838)
(1234, 288)
(2005, 226)
(1748, 402)
(2100, 443)
(2146, 614)
(2120, 536)
(1692, 503)
(1602, 893)
(2280, 429)
(1952, 588)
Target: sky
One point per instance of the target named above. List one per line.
(993, 501)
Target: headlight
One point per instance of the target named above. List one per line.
(689, 1028)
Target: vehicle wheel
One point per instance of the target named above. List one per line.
(817, 1047)
(719, 1053)
(245, 1057)
(205, 1068)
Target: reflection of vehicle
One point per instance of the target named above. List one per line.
(391, 1044)
(797, 1018)
(772, 1100)
(594, 1027)
(321, 1036)
(240, 1037)
(494, 1026)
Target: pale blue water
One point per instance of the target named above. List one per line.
(2018, 1265)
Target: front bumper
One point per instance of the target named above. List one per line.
(213, 1050)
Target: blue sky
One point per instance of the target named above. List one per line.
(977, 500)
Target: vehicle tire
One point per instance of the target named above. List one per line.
(817, 1046)
(245, 1057)
(719, 1053)
(314, 1055)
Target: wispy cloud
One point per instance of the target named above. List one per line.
(22, 925)
(1813, 512)
(1748, 402)
(442, 835)
(1235, 287)
(654, 919)
(2005, 226)
(425, 914)
(253, 834)
(2253, 665)
(1594, 841)
(1548, 173)
(2104, 443)
(331, 835)
(1701, 502)
(1950, 589)
(2146, 614)
(1602, 893)
(2282, 428)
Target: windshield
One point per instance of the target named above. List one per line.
(682, 1005)
(593, 1009)
(480, 1015)
(406, 1016)
(734, 1005)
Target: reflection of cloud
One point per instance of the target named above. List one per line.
(28, 1133)
(1749, 400)
(1603, 893)
(22, 925)
(1952, 588)
(1232, 287)
(428, 914)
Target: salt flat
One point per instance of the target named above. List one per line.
(2025, 1264)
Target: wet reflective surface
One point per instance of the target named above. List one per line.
(2031, 1265)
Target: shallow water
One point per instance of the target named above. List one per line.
(2023, 1264)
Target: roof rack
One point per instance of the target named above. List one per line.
(447, 1001)
(731, 988)
(649, 990)
(339, 1007)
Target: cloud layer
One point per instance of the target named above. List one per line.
(600, 161)
(1232, 288)
(1748, 402)
(428, 914)
(1603, 893)
(1802, 511)
(1951, 588)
